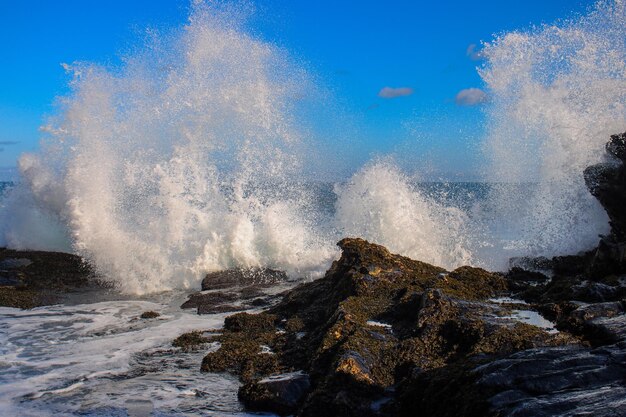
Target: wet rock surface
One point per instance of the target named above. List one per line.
(239, 277)
(557, 382)
(373, 324)
(32, 278)
(236, 290)
(281, 394)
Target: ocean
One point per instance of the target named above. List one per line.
(193, 157)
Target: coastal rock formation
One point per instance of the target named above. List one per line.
(33, 278)
(375, 321)
(235, 290)
(240, 277)
(607, 182)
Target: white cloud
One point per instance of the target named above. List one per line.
(389, 92)
(473, 53)
(470, 97)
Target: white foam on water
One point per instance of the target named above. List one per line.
(94, 358)
(102, 359)
(378, 324)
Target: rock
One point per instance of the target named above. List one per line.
(617, 146)
(190, 341)
(607, 182)
(610, 328)
(242, 347)
(526, 263)
(281, 394)
(20, 297)
(550, 381)
(149, 315)
(222, 308)
(523, 277)
(242, 277)
(233, 300)
(574, 288)
(209, 299)
(370, 323)
(12, 263)
(32, 278)
(556, 381)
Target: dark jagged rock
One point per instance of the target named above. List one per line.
(235, 299)
(557, 382)
(32, 278)
(239, 277)
(211, 299)
(375, 320)
(607, 182)
(281, 394)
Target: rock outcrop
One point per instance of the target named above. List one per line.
(32, 278)
(374, 322)
(236, 290)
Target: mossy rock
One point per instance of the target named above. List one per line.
(375, 320)
(149, 315)
(19, 298)
(190, 341)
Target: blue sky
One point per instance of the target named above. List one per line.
(356, 48)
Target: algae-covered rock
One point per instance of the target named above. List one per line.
(33, 278)
(190, 341)
(19, 297)
(149, 315)
(375, 320)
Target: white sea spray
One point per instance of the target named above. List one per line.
(191, 157)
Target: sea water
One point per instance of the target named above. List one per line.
(193, 157)
(101, 359)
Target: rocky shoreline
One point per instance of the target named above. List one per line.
(384, 335)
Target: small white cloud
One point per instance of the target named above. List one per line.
(389, 92)
(474, 53)
(470, 97)
(71, 69)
